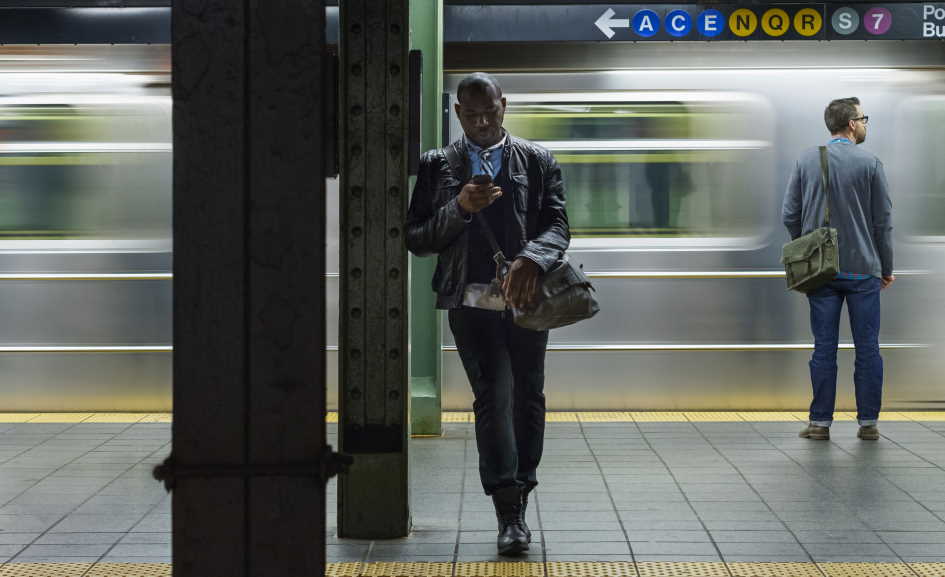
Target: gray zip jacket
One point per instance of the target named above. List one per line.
(860, 208)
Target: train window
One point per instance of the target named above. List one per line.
(85, 166)
(652, 164)
(922, 179)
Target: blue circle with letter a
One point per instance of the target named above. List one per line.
(678, 23)
(646, 23)
(711, 23)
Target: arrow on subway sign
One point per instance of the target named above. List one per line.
(606, 23)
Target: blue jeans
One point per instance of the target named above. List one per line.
(862, 298)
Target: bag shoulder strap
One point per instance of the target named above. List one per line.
(456, 165)
(825, 181)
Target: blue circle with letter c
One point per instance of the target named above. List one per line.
(711, 23)
(678, 23)
(646, 23)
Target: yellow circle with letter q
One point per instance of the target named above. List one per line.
(743, 22)
(808, 22)
(775, 22)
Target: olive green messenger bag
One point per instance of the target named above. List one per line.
(811, 261)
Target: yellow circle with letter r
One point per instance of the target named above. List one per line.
(775, 22)
(743, 22)
(808, 22)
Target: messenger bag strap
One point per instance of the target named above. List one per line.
(825, 180)
(455, 162)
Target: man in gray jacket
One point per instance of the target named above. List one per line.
(860, 210)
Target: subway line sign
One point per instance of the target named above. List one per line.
(681, 22)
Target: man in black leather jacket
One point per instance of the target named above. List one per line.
(520, 194)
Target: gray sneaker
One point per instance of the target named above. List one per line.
(868, 433)
(816, 433)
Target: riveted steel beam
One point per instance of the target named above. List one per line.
(373, 395)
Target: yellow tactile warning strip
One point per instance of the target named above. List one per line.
(866, 570)
(713, 417)
(343, 570)
(774, 570)
(17, 417)
(115, 418)
(560, 417)
(455, 417)
(500, 570)
(551, 417)
(130, 570)
(682, 569)
(644, 417)
(604, 417)
(60, 417)
(928, 569)
(572, 569)
(408, 570)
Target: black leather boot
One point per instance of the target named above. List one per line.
(512, 539)
(528, 532)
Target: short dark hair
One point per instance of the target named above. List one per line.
(839, 113)
(478, 81)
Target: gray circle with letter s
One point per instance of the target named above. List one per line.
(845, 21)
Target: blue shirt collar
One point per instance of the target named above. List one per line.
(472, 146)
(843, 140)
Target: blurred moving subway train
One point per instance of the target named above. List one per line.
(675, 156)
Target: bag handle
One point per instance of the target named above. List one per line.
(825, 181)
(453, 159)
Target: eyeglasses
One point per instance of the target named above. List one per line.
(865, 119)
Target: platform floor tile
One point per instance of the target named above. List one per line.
(866, 570)
(44, 569)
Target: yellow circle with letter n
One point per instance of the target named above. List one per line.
(808, 22)
(775, 22)
(743, 22)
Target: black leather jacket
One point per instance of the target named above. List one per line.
(435, 223)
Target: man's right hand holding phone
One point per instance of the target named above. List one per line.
(478, 193)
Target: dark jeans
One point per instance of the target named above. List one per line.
(506, 368)
(862, 298)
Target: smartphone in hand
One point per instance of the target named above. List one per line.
(481, 179)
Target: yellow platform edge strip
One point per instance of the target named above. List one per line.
(551, 417)
(515, 569)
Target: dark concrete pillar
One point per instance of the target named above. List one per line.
(373, 396)
(249, 465)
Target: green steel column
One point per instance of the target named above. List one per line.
(426, 35)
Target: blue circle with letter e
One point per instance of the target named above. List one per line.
(646, 23)
(678, 23)
(711, 23)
